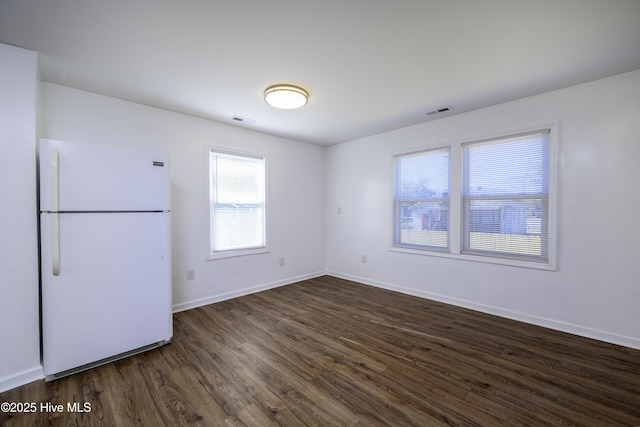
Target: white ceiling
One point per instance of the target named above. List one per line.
(369, 65)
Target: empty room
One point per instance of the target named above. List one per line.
(290, 213)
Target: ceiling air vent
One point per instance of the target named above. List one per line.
(242, 119)
(440, 111)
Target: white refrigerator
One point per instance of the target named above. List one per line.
(105, 254)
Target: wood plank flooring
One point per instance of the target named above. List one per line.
(327, 352)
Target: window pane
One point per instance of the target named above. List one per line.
(424, 224)
(424, 175)
(236, 227)
(505, 226)
(422, 200)
(508, 166)
(238, 179)
(506, 197)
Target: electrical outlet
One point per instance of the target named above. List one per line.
(281, 261)
(191, 274)
(364, 259)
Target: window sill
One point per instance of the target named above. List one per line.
(477, 258)
(236, 253)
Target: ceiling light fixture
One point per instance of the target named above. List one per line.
(285, 96)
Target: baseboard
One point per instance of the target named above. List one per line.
(21, 378)
(246, 291)
(497, 311)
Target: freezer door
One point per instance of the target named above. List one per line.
(113, 290)
(88, 177)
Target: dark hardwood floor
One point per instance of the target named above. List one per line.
(332, 352)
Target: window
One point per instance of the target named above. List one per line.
(237, 211)
(421, 201)
(491, 200)
(506, 197)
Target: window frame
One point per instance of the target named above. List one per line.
(398, 200)
(468, 198)
(456, 219)
(249, 250)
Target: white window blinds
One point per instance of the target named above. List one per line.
(506, 197)
(237, 202)
(422, 200)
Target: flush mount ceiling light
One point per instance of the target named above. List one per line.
(285, 96)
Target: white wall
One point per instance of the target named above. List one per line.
(295, 188)
(19, 315)
(596, 290)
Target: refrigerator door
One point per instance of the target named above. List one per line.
(112, 293)
(87, 177)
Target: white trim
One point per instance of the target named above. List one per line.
(242, 292)
(552, 243)
(235, 253)
(570, 328)
(21, 378)
(476, 258)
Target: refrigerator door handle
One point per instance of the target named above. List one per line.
(55, 220)
(55, 242)
(55, 180)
